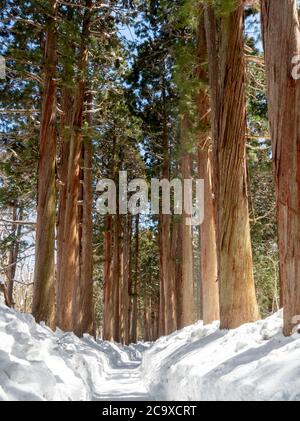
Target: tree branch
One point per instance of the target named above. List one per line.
(6, 221)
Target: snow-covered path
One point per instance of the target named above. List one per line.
(124, 385)
(254, 362)
(122, 369)
(38, 364)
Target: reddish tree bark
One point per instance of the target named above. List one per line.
(235, 270)
(135, 293)
(69, 259)
(208, 248)
(43, 306)
(108, 298)
(209, 273)
(186, 317)
(84, 317)
(281, 34)
(125, 280)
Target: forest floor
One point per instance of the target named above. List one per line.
(253, 362)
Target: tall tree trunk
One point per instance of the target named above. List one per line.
(168, 280)
(118, 250)
(173, 269)
(179, 289)
(84, 318)
(108, 291)
(237, 292)
(281, 34)
(168, 287)
(187, 285)
(122, 282)
(69, 263)
(43, 305)
(124, 290)
(133, 333)
(129, 282)
(208, 248)
(209, 273)
(67, 106)
(16, 230)
(154, 318)
(69, 271)
(108, 319)
(147, 309)
(12, 262)
(162, 323)
(64, 152)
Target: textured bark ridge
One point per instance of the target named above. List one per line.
(43, 307)
(125, 280)
(208, 248)
(135, 289)
(167, 322)
(186, 317)
(281, 36)
(73, 288)
(235, 271)
(84, 317)
(209, 273)
(108, 249)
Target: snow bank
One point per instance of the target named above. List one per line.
(38, 364)
(254, 362)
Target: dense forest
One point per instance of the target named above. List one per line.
(181, 89)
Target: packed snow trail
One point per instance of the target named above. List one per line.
(38, 364)
(253, 362)
(124, 385)
(122, 373)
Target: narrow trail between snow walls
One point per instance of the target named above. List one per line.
(253, 362)
(124, 385)
(38, 364)
(122, 372)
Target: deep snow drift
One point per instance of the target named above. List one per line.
(254, 362)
